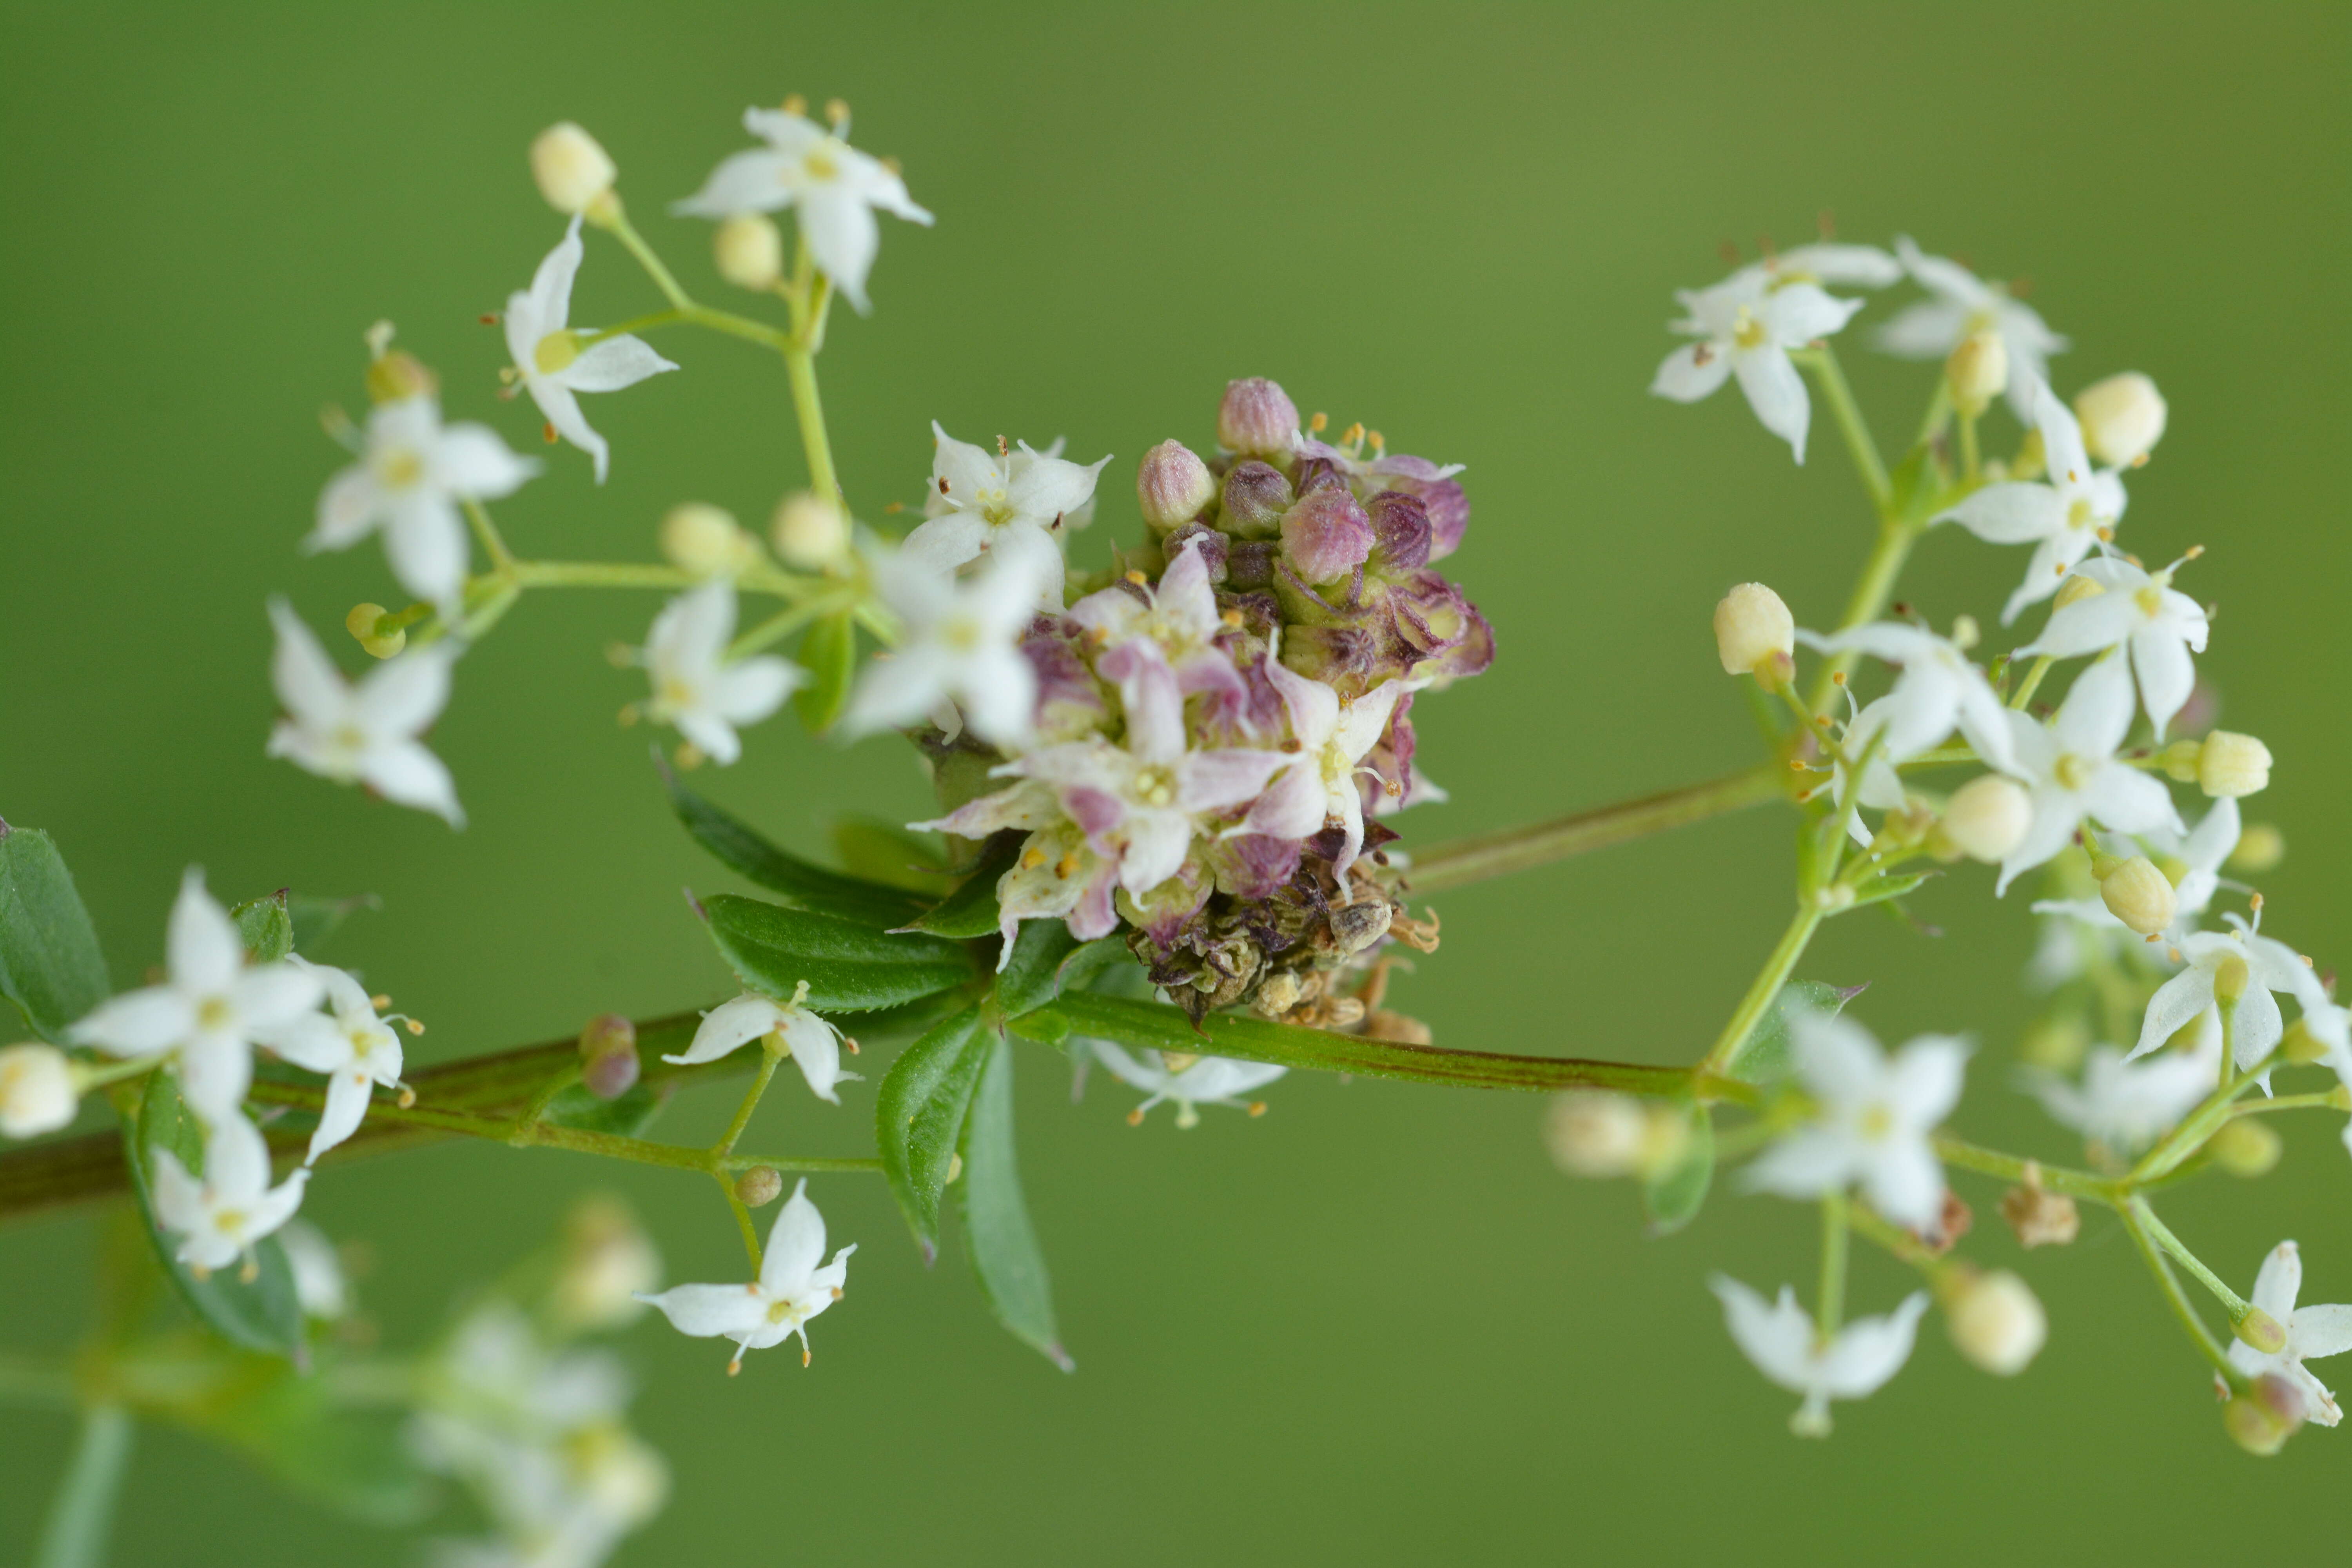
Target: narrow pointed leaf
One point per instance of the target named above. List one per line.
(1763, 1056)
(267, 924)
(829, 653)
(1674, 1195)
(918, 1113)
(849, 968)
(804, 884)
(893, 856)
(50, 966)
(315, 918)
(970, 909)
(1032, 976)
(261, 1315)
(1003, 1244)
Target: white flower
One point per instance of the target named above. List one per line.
(814, 1044)
(2257, 963)
(1874, 1118)
(2200, 854)
(1939, 691)
(408, 482)
(1317, 782)
(2073, 768)
(2311, 1333)
(1190, 1082)
(554, 363)
(833, 186)
(219, 1218)
(2141, 610)
(1965, 303)
(1841, 266)
(2127, 1105)
(210, 1010)
(1778, 1338)
(695, 687)
(791, 1288)
(1178, 619)
(2060, 519)
(1747, 325)
(36, 1091)
(348, 1043)
(962, 644)
(319, 1287)
(364, 732)
(1014, 500)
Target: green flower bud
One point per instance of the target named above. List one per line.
(2261, 1331)
(706, 540)
(2245, 1146)
(759, 1186)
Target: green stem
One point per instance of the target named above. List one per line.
(1460, 861)
(1870, 592)
(1867, 464)
(74, 1536)
(759, 1080)
(494, 544)
(2199, 1125)
(1766, 986)
(800, 365)
(2229, 1011)
(2170, 1287)
(1829, 1311)
(2029, 686)
(1971, 467)
(616, 222)
(693, 315)
(1868, 1223)
(1968, 1156)
(2231, 1303)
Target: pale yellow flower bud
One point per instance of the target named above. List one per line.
(749, 249)
(2074, 590)
(760, 1186)
(1592, 1134)
(1997, 1321)
(2263, 1418)
(704, 539)
(1978, 370)
(1754, 633)
(2139, 895)
(1987, 816)
(607, 1258)
(810, 532)
(362, 624)
(2301, 1047)
(2123, 418)
(36, 1091)
(2261, 1331)
(2260, 848)
(2230, 978)
(2246, 1146)
(2230, 764)
(571, 168)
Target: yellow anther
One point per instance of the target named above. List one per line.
(795, 104)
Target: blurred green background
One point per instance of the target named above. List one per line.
(1375, 1326)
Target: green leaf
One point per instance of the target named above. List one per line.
(626, 1117)
(884, 852)
(1878, 889)
(1674, 1195)
(970, 909)
(50, 966)
(315, 918)
(358, 1462)
(1763, 1056)
(262, 1314)
(267, 927)
(801, 883)
(918, 1114)
(1090, 962)
(1003, 1242)
(829, 653)
(1032, 975)
(849, 968)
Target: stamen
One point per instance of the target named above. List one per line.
(1315, 426)
(548, 432)
(795, 104)
(413, 1026)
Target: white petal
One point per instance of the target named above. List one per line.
(472, 460)
(348, 1093)
(1000, 697)
(1692, 372)
(425, 543)
(1777, 1337)
(563, 411)
(948, 540)
(1929, 329)
(2122, 797)
(313, 1042)
(842, 238)
(816, 1051)
(1904, 1183)
(1807, 1164)
(202, 946)
(750, 690)
(138, 1023)
(406, 774)
(2177, 1002)
(729, 1026)
(1869, 1350)
(2097, 713)
(2322, 1332)
(2280, 1282)
(1777, 392)
(270, 993)
(751, 182)
(2010, 514)
(404, 694)
(348, 508)
(2057, 815)
(307, 680)
(795, 1244)
(2166, 673)
(551, 286)
(236, 1161)
(706, 1312)
(614, 363)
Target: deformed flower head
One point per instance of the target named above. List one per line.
(792, 1288)
(1853, 1364)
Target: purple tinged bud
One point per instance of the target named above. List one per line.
(1250, 564)
(1401, 533)
(1253, 865)
(1172, 485)
(608, 1057)
(1213, 547)
(1070, 702)
(1256, 495)
(1257, 418)
(1448, 508)
(1325, 536)
(1318, 474)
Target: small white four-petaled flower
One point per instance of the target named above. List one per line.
(814, 1044)
(2079, 507)
(2141, 610)
(412, 474)
(1874, 1115)
(348, 1043)
(2311, 1333)
(962, 646)
(1190, 1082)
(1745, 325)
(556, 365)
(695, 687)
(1780, 1339)
(364, 731)
(2075, 773)
(1965, 303)
(791, 1288)
(2242, 961)
(220, 1215)
(1016, 499)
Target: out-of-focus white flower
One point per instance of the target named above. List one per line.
(696, 688)
(1853, 1364)
(411, 476)
(1939, 691)
(2240, 965)
(2127, 1105)
(1190, 1082)
(791, 1288)
(2139, 610)
(607, 1259)
(354, 1049)
(1874, 1118)
(2075, 773)
(220, 1217)
(814, 1044)
(1014, 499)
(364, 731)
(554, 362)
(835, 188)
(319, 1287)
(1746, 326)
(36, 1091)
(1964, 303)
(1838, 266)
(210, 1009)
(962, 644)
(2311, 1333)
(2060, 519)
